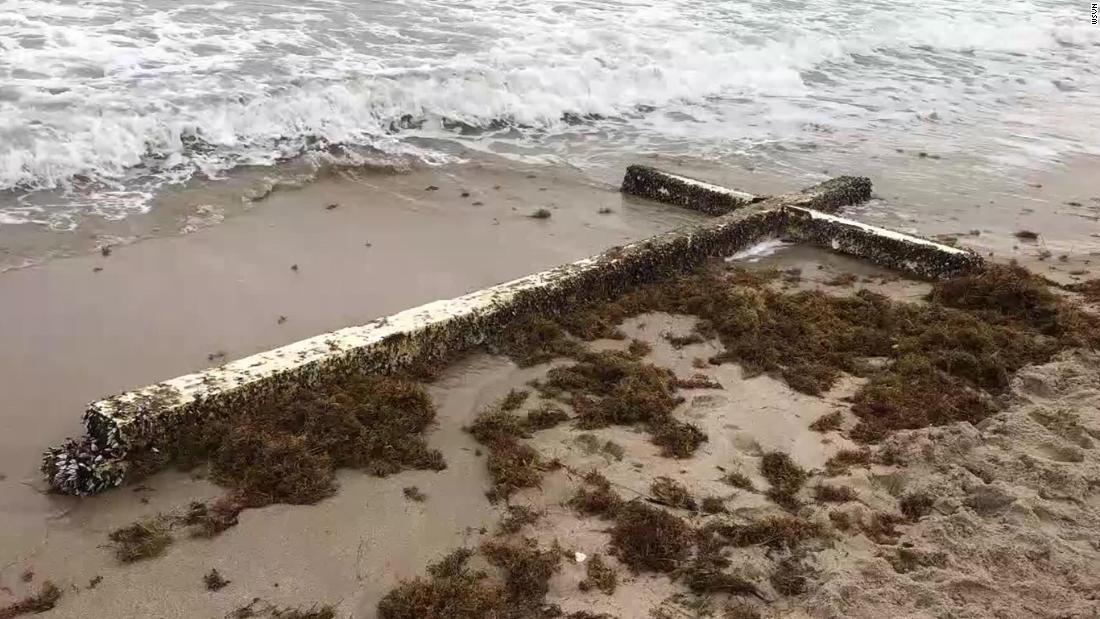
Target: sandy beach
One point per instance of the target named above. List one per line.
(162, 306)
(749, 431)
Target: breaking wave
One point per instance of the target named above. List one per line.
(108, 101)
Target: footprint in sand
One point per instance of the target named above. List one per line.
(1061, 453)
(745, 443)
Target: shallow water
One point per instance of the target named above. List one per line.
(103, 104)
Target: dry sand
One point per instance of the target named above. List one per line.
(1014, 528)
(1013, 531)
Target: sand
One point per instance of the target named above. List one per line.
(160, 307)
(1013, 530)
(1012, 533)
(351, 549)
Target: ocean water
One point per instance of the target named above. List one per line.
(105, 103)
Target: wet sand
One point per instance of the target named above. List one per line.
(161, 307)
(348, 550)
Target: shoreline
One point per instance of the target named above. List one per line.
(940, 198)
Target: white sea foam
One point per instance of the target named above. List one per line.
(121, 96)
(754, 253)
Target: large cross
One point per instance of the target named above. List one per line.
(808, 216)
(122, 425)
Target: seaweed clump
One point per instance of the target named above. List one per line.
(527, 569)
(648, 538)
(495, 425)
(942, 359)
(915, 394)
(916, 505)
(46, 598)
(707, 572)
(514, 399)
(881, 527)
(678, 439)
(828, 422)
(680, 341)
(592, 445)
(673, 494)
(535, 340)
(786, 478)
(271, 467)
(612, 387)
(775, 532)
(639, 348)
(512, 464)
(287, 447)
(615, 388)
(140, 540)
(738, 480)
(790, 576)
(698, 381)
(214, 581)
(210, 520)
(713, 505)
(827, 493)
(595, 497)
(1011, 295)
(518, 516)
(599, 575)
(845, 459)
(259, 608)
(452, 591)
(975, 333)
(704, 578)
(545, 416)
